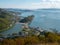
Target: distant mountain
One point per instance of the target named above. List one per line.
(49, 9)
(18, 10)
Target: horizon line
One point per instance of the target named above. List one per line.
(30, 9)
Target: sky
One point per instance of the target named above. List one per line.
(30, 4)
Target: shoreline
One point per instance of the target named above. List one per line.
(7, 28)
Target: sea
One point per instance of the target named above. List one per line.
(43, 18)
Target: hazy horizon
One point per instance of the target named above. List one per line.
(30, 4)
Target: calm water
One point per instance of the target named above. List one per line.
(43, 18)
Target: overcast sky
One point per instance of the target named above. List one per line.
(29, 4)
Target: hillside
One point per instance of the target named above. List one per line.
(5, 19)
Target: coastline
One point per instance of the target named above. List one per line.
(7, 28)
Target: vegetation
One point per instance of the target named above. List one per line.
(5, 19)
(27, 19)
(31, 39)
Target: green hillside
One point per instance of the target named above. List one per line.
(5, 19)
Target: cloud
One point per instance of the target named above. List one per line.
(47, 4)
(51, 0)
